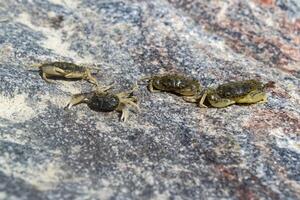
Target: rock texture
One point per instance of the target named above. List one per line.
(172, 149)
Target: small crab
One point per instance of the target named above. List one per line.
(181, 85)
(66, 70)
(103, 101)
(240, 92)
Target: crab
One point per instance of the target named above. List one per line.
(101, 100)
(66, 70)
(239, 92)
(189, 88)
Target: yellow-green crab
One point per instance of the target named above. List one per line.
(239, 92)
(66, 70)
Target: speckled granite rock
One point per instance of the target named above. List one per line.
(172, 149)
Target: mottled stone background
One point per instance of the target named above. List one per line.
(172, 149)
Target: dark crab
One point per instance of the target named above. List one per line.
(178, 84)
(66, 70)
(103, 101)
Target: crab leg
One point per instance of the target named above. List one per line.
(132, 104)
(125, 114)
(77, 99)
(201, 102)
(44, 75)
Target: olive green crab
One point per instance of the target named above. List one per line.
(239, 92)
(187, 87)
(66, 70)
(103, 101)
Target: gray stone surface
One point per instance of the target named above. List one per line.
(172, 149)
